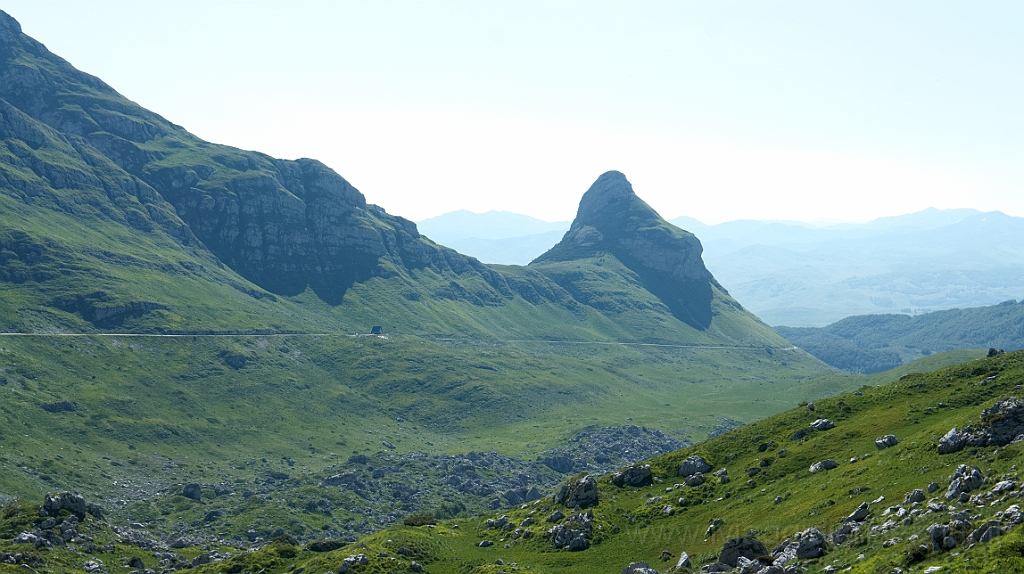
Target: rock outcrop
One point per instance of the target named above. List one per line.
(667, 260)
(884, 442)
(743, 546)
(694, 465)
(964, 480)
(580, 493)
(823, 465)
(633, 476)
(573, 534)
(1001, 424)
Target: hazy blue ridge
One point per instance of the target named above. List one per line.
(874, 343)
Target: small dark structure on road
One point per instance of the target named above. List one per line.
(376, 330)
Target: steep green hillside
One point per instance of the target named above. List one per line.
(779, 497)
(872, 343)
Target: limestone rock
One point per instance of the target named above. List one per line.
(694, 480)
(807, 544)
(886, 441)
(952, 441)
(73, 503)
(353, 560)
(822, 424)
(964, 480)
(713, 527)
(693, 465)
(938, 533)
(581, 493)
(633, 476)
(744, 546)
(574, 533)
(860, 514)
(823, 465)
(639, 568)
(913, 496)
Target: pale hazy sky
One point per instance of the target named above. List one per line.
(717, 110)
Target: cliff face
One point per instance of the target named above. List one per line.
(284, 225)
(667, 260)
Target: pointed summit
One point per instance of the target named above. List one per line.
(612, 220)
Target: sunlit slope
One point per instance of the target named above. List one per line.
(783, 497)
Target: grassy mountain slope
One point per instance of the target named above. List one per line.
(631, 523)
(114, 220)
(872, 343)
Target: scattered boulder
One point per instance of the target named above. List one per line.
(860, 514)
(932, 487)
(965, 479)
(754, 470)
(634, 476)
(842, 533)
(639, 568)
(497, 522)
(952, 441)
(684, 561)
(581, 493)
(987, 531)
(807, 544)
(192, 490)
(693, 465)
(713, 527)
(694, 480)
(745, 546)
(574, 533)
(353, 560)
(823, 465)
(913, 496)
(823, 425)
(73, 503)
(485, 543)
(1003, 423)
(556, 516)
(938, 533)
(884, 442)
(1003, 486)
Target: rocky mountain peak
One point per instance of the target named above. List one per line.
(612, 220)
(606, 198)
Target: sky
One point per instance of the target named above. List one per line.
(792, 110)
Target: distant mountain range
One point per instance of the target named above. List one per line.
(797, 274)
